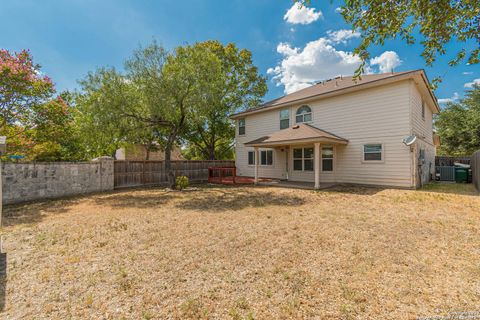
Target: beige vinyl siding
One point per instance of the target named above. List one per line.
(379, 115)
(257, 126)
(376, 115)
(423, 129)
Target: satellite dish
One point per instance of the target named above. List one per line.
(408, 141)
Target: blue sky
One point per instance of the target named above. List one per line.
(71, 37)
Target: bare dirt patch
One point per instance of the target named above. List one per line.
(245, 253)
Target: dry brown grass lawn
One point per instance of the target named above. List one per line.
(245, 253)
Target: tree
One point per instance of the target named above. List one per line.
(437, 23)
(55, 136)
(38, 125)
(458, 125)
(154, 101)
(174, 90)
(223, 149)
(104, 95)
(237, 85)
(22, 88)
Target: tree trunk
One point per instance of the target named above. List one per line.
(211, 152)
(211, 147)
(168, 164)
(147, 153)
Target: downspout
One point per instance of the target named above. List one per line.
(413, 181)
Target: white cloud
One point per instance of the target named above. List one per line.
(470, 84)
(451, 99)
(319, 60)
(467, 72)
(342, 35)
(387, 61)
(301, 15)
(338, 10)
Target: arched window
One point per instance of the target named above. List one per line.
(304, 114)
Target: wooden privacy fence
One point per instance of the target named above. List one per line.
(149, 172)
(475, 165)
(449, 161)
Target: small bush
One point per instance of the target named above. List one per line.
(181, 182)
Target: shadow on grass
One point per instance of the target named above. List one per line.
(354, 189)
(208, 198)
(141, 199)
(466, 189)
(3, 280)
(235, 199)
(33, 212)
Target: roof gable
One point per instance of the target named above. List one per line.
(339, 86)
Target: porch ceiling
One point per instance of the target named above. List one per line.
(300, 133)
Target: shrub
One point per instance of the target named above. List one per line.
(181, 182)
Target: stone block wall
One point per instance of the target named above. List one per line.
(43, 180)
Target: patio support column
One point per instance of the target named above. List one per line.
(256, 164)
(316, 166)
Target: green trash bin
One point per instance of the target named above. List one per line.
(461, 175)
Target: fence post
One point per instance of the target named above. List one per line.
(475, 166)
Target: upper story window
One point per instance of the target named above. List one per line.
(304, 114)
(284, 119)
(373, 152)
(423, 110)
(241, 127)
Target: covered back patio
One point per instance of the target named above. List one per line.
(302, 144)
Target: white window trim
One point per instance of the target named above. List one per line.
(311, 114)
(333, 159)
(248, 164)
(303, 159)
(244, 126)
(373, 161)
(280, 118)
(260, 158)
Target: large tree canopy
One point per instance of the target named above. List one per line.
(175, 91)
(237, 86)
(458, 125)
(433, 23)
(154, 101)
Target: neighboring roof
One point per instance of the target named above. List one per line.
(338, 86)
(299, 133)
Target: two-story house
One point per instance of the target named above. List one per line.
(343, 131)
